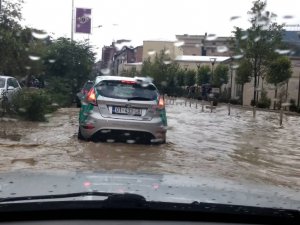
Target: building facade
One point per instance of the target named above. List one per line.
(205, 45)
(151, 48)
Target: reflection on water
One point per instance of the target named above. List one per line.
(235, 147)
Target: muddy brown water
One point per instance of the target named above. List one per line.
(235, 147)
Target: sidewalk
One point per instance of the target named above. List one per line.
(182, 100)
(250, 108)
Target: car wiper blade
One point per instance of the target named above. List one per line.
(139, 98)
(111, 196)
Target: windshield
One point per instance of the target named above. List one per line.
(181, 101)
(126, 90)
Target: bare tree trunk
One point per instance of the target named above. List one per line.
(275, 102)
(242, 95)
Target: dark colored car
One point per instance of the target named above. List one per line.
(85, 89)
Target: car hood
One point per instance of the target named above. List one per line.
(154, 187)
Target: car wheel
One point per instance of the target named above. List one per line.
(78, 103)
(79, 135)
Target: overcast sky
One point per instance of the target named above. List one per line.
(140, 20)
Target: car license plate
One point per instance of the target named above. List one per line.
(126, 111)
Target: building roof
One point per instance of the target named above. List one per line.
(160, 40)
(194, 58)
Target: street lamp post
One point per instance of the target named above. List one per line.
(99, 26)
(231, 75)
(72, 21)
(212, 60)
(298, 93)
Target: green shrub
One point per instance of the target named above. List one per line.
(60, 91)
(264, 101)
(32, 104)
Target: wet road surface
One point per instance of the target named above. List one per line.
(236, 147)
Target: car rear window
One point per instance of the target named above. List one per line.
(2, 82)
(127, 90)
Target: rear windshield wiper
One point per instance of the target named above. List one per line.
(139, 98)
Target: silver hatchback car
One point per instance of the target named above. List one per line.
(123, 108)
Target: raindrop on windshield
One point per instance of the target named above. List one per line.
(197, 45)
(222, 49)
(105, 71)
(288, 17)
(238, 56)
(235, 66)
(110, 140)
(164, 83)
(130, 141)
(262, 22)
(179, 43)
(52, 60)
(211, 37)
(22, 109)
(27, 67)
(105, 131)
(282, 51)
(39, 35)
(167, 62)
(234, 18)
(167, 52)
(34, 57)
(257, 39)
(244, 37)
(151, 52)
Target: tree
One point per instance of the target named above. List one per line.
(190, 78)
(132, 72)
(279, 71)
(258, 43)
(203, 74)
(17, 44)
(162, 70)
(10, 33)
(220, 75)
(243, 74)
(70, 63)
(179, 77)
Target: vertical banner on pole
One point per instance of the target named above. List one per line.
(83, 20)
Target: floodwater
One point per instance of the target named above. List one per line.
(236, 147)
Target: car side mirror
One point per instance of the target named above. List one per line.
(10, 88)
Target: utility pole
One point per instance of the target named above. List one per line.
(72, 21)
(298, 92)
(0, 6)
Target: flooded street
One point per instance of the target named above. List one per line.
(236, 147)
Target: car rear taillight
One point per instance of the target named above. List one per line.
(88, 126)
(161, 103)
(91, 97)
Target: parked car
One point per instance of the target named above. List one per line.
(85, 89)
(8, 87)
(123, 108)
